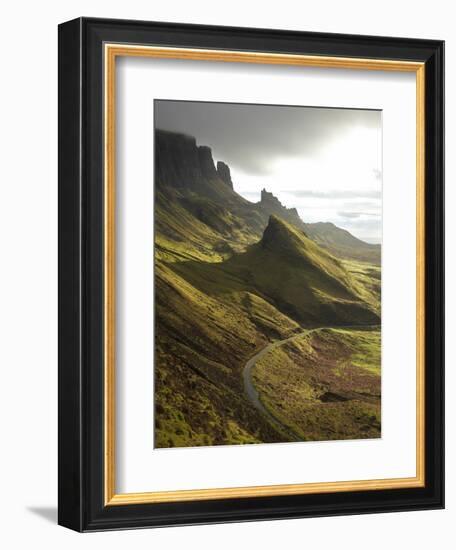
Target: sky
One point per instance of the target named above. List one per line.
(327, 163)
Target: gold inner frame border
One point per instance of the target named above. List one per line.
(111, 53)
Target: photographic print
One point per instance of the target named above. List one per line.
(268, 227)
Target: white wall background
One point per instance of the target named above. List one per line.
(28, 272)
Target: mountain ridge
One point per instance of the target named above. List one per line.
(189, 169)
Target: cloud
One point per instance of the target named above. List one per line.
(250, 193)
(252, 137)
(326, 162)
(357, 214)
(336, 194)
(349, 214)
(360, 223)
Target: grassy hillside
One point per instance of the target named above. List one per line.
(325, 384)
(201, 345)
(292, 273)
(213, 314)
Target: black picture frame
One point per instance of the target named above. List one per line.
(81, 399)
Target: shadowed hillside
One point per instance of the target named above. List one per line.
(292, 273)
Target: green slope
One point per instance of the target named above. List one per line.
(201, 343)
(292, 273)
(324, 384)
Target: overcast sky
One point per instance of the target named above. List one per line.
(325, 162)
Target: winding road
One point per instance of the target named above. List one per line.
(252, 392)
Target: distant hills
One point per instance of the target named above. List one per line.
(231, 276)
(342, 243)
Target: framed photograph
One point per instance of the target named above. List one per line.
(250, 274)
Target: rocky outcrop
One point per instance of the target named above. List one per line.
(223, 171)
(177, 161)
(182, 164)
(271, 205)
(269, 198)
(206, 162)
(283, 237)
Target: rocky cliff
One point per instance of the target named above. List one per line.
(223, 171)
(182, 164)
(271, 205)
